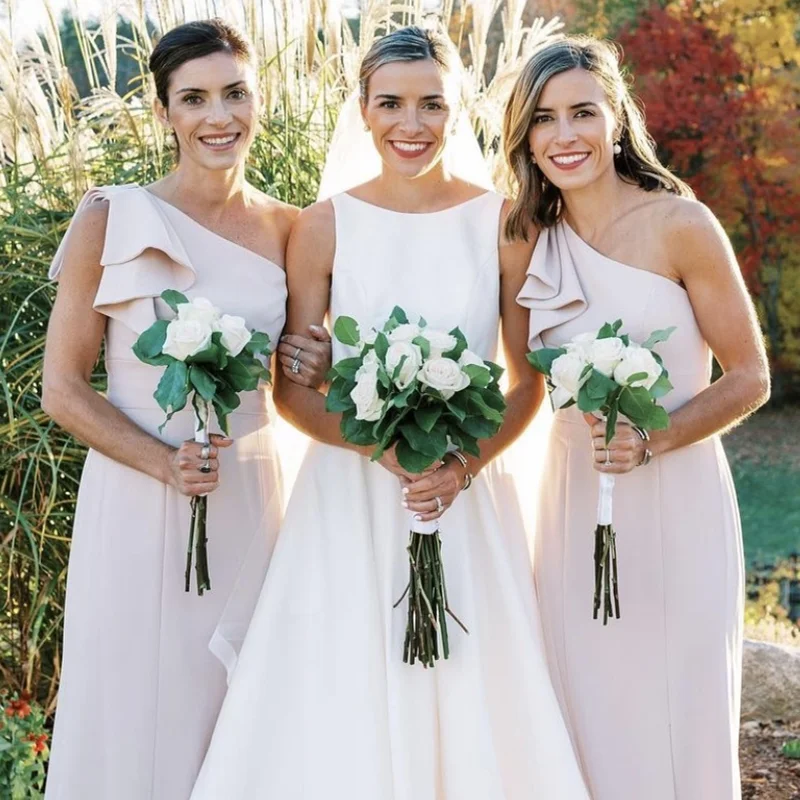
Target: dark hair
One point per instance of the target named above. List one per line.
(406, 44)
(537, 199)
(194, 40)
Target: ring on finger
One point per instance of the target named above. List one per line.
(295, 366)
(205, 468)
(439, 504)
(205, 452)
(608, 457)
(297, 352)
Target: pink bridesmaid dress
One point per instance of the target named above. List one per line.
(652, 699)
(140, 688)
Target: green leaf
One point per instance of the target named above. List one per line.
(433, 443)
(338, 398)
(202, 382)
(258, 344)
(612, 412)
(599, 387)
(638, 406)
(173, 388)
(468, 444)
(222, 415)
(479, 427)
(542, 360)
(410, 459)
(148, 347)
(661, 387)
(381, 346)
(461, 345)
(587, 403)
(240, 376)
(477, 402)
(659, 336)
(609, 330)
(173, 299)
(346, 330)
(356, 431)
(215, 353)
(348, 367)
(424, 346)
(496, 370)
(401, 400)
(227, 399)
(478, 376)
(398, 368)
(383, 378)
(637, 376)
(427, 415)
(399, 315)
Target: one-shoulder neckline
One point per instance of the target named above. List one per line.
(480, 196)
(622, 264)
(209, 231)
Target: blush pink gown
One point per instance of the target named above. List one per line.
(140, 688)
(652, 700)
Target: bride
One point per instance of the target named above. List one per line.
(321, 705)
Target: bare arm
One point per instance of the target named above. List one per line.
(702, 255)
(74, 337)
(524, 395)
(309, 262)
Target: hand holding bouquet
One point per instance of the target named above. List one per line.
(423, 392)
(607, 372)
(210, 357)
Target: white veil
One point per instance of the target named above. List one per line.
(353, 160)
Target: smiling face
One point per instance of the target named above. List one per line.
(410, 111)
(573, 130)
(213, 109)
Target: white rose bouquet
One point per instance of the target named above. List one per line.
(212, 357)
(422, 391)
(608, 373)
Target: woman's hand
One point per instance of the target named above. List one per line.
(389, 461)
(184, 468)
(444, 483)
(311, 355)
(625, 451)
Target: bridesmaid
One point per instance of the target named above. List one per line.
(140, 689)
(652, 700)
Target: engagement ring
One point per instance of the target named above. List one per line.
(205, 468)
(439, 504)
(295, 366)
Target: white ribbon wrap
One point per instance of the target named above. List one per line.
(604, 499)
(201, 422)
(418, 526)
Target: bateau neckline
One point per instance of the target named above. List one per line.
(480, 196)
(657, 275)
(209, 231)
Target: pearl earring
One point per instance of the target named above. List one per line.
(617, 148)
(533, 158)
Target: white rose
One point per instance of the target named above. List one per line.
(565, 373)
(369, 405)
(443, 374)
(404, 333)
(637, 359)
(411, 365)
(605, 354)
(369, 337)
(370, 364)
(470, 359)
(186, 337)
(199, 310)
(581, 344)
(440, 342)
(234, 333)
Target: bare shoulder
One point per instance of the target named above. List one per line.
(515, 253)
(318, 219)
(695, 239)
(313, 238)
(275, 212)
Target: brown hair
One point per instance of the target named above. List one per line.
(537, 199)
(194, 40)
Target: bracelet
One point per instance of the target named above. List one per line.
(461, 458)
(643, 434)
(645, 437)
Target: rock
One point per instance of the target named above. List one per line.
(770, 682)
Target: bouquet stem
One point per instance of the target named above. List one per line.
(198, 539)
(606, 585)
(426, 637)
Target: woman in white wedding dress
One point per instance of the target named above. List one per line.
(321, 705)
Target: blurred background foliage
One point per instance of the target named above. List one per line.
(720, 85)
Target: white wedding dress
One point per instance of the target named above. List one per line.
(321, 705)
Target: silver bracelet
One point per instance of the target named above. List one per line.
(461, 458)
(645, 437)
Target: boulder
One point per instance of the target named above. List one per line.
(770, 682)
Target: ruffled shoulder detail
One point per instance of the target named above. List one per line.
(142, 256)
(552, 290)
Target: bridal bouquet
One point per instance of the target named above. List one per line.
(607, 372)
(425, 393)
(212, 357)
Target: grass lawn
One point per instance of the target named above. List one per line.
(765, 459)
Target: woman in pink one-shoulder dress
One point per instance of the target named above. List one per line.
(140, 688)
(652, 700)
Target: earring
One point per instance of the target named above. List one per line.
(366, 127)
(617, 148)
(533, 158)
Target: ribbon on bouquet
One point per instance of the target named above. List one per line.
(606, 587)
